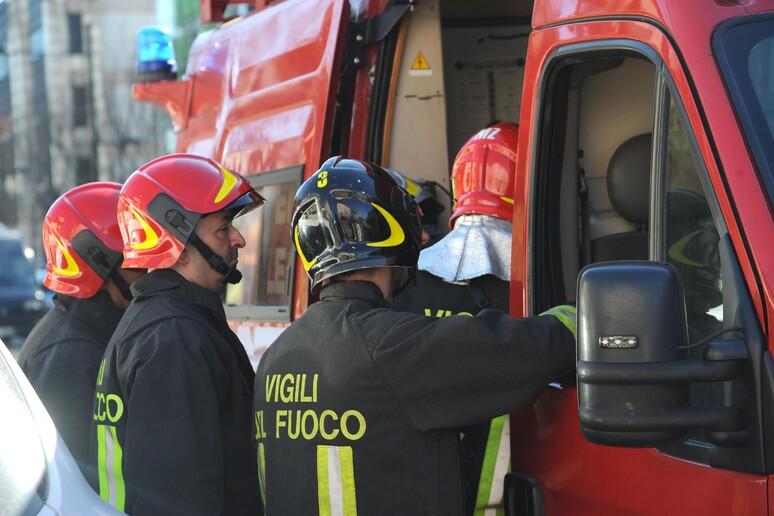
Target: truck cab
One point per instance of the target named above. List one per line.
(644, 193)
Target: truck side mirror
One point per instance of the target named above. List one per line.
(633, 377)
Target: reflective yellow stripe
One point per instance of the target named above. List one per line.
(567, 314)
(677, 250)
(567, 322)
(262, 472)
(336, 481)
(101, 373)
(71, 268)
(229, 181)
(101, 466)
(112, 488)
(118, 472)
(323, 489)
(151, 238)
(346, 462)
(506, 199)
(396, 236)
(497, 456)
(307, 265)
(411, 187)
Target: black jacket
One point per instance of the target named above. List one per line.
(360, 405)
(172, 418)
(60, 358)
(433, 297)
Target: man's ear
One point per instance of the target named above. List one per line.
(185, 257)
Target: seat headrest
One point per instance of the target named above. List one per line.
(628, 178)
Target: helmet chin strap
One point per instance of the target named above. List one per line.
(121, 284)
(230, 274)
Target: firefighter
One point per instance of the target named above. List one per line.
(358, 406)
(172, 414)
(62, 353)
(469, 270)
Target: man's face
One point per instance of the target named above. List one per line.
(225, 240)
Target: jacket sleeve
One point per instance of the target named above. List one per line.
(173, 460)
(456, 371)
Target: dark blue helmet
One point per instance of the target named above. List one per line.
(352, 215)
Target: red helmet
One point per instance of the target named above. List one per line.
(163, 200)
(484, 172)
(82, 240)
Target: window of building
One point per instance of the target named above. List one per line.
(74, 32)
(35, 28)
(80, 98)
(84, 172)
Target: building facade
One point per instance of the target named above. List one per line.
(69, 117)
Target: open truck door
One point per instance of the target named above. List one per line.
(258, 97)
(636, 176)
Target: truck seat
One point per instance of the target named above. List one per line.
(628, 185)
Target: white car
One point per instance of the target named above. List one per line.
(37, 473)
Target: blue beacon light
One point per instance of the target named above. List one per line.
(155, 53)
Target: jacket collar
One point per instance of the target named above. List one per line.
(168, 283)
(98, 311)
(362, 290)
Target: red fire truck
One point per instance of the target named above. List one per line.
(647, 134)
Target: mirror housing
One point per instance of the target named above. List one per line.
(633, 377)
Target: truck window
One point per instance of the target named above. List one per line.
(745, 51)
(593, 169)
(266, 260)
(691, 237)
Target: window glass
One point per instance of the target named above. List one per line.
(83, 170)
(691, 235)
(80, 117)
(746, 53)
(75, 42)
(360, 222)
(268, 255)
(313, 236)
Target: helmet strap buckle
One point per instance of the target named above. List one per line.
(230, 275)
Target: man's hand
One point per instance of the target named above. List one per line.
(567, 314)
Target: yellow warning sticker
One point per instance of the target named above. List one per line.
(420, 66)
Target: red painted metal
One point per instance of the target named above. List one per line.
(362, 95)
(577, 476)
(585, 479)
(173, 96)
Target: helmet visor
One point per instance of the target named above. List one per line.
(361, 222)
(312, 237)
(246, 203)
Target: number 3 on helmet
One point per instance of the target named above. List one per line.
(352, 215)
